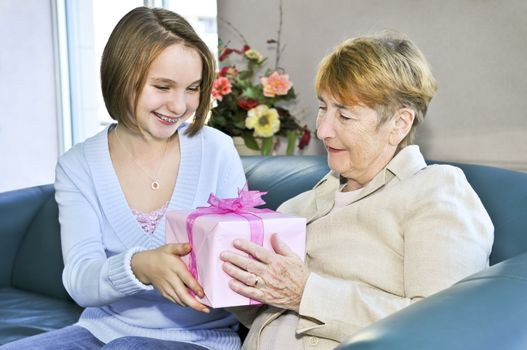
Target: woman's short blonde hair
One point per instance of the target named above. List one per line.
(385, 72)
(136, 41)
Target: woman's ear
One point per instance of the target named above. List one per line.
(403, 121)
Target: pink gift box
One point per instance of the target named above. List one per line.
(214, 233)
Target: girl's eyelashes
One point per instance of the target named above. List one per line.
(166, 88)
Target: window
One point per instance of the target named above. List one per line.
(81, 31)
(106, 14)
(202, 16)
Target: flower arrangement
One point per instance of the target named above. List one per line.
(253, 105)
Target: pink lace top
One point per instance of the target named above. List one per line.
(149, 221)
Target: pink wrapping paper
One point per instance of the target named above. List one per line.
(214, 233)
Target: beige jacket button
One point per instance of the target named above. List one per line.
(313, 341)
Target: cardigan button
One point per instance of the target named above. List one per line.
(313, 341)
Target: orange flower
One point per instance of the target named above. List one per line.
(276, 84)
(221, 87)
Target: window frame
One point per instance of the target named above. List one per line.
(77, 77)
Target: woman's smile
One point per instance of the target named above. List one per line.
(334, 150)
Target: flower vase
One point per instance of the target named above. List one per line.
(280, 147)
(242, 149)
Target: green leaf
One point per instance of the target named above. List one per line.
(239, 124)
(244, 75)
(291, 141)
(250, 141)
(252, 92)
(267, 145)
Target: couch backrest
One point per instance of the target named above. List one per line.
(283, 177)
(31, 254)
(503, 193)
(38, 265)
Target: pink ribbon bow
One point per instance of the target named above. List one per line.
(243, 205)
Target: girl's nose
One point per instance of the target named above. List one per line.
(177, 103)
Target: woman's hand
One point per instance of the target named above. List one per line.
(164, 269)
(275, 278)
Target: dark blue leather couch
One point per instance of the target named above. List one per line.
(485, 311)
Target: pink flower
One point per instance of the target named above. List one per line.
(221, 87)
(276, 84)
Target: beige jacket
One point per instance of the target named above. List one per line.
(413, 231)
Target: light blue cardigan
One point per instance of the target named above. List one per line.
(100, 234)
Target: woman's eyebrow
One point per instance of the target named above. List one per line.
(336, 104)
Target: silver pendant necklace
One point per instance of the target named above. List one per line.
(154, 185)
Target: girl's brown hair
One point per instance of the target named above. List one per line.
(136, 41)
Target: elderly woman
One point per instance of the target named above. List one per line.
(384, 228)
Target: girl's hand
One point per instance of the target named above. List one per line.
(164, 269)
(275, 278)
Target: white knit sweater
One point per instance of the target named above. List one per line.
(100, 233)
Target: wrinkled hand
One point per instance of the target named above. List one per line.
(275, 278)
(164, 269)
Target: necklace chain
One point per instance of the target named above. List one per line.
(155, 183)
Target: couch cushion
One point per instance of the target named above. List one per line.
(38, 265)
(24, 313)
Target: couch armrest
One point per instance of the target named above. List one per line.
(17, 210)
(487, 310)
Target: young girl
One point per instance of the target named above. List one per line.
(114, 189)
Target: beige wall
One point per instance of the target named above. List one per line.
(477, 49)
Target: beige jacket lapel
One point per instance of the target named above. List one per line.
(325, 191)
(324, 195)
